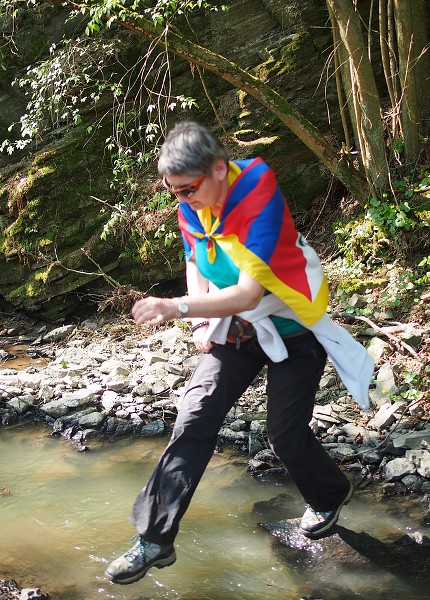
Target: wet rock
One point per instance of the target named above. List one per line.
(9, 590)
(4, 355)
(417, 538)
(421, 460)
(374, 564)
(341, 452)
(22, 404)
(258, 426)
(257, 465)
(155, 428)
(228, 435)
(255, 444)
(238, 425)
(91, 420)
(398, 468)
(412, 483)
(370, 456)
(60, 333)
(393, 488)
(425, 488)
(8, 416)
(411, 439)
(68, 401)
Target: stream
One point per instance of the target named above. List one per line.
(66, 517)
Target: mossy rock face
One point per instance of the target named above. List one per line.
(50, 232)
(51, 253)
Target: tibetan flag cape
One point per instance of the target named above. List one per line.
(256, 230)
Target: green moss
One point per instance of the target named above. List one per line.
(52, 203)
(424, 216)
(245, 134)
(284, 59)
(25, 293)
(356, 285)
(42, 275)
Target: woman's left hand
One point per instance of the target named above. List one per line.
(198, 336)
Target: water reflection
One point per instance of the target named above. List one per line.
(67, 517)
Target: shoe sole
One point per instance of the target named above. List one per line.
(317, 534)
(160, 564)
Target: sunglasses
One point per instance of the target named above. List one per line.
(185, 190)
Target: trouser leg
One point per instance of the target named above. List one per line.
(291, 389)
(219, 380)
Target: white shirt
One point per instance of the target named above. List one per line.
(350, 359)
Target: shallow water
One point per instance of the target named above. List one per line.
(67, 517)
(20, 357)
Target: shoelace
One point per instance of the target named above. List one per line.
(318, 512)
(322, 514)
(138, 549)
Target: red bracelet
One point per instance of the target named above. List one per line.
(201, 324)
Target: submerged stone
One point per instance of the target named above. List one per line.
(347, 558)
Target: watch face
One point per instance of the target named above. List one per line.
(183, 308)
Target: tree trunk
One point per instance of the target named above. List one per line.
(420, 16)
(367, 105)
(347, 84)
(408, 55)
(391, 75)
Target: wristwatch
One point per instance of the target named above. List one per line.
(183, 307)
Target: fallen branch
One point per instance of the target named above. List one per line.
(380, 330)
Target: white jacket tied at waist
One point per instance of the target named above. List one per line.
(350, 359)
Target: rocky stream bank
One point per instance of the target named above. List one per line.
(106, 377)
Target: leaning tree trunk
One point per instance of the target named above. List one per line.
(367, 109)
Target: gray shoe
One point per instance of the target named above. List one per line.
(134, 563)
(314, 523)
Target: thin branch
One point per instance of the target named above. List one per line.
(380, 330)
(211, 102)
(101, 273)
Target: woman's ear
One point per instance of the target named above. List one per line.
(220, 169)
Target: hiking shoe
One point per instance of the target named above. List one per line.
(314, 522)
(134, 563)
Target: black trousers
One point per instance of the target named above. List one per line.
(219, 379)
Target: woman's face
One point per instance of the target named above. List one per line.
(201, 191)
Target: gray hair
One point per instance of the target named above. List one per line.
(190, 148)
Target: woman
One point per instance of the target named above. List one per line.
(245, 258)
